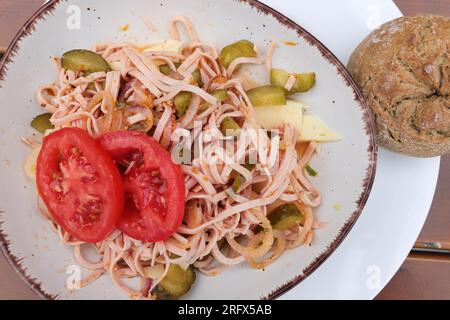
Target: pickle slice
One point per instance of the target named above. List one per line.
(85, 61)
(267, 96)
(230, 127)
(242, 48)
(176, 283)
(285, 217)
(304, 81)
(182, 101)
(42, 122)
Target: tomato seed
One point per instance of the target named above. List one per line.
(75, 151)
(56, 186)
(154, 173)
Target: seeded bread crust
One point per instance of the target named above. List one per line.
(403, 69)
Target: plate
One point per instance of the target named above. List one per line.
(347, 168)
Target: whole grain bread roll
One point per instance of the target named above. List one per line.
(403, 69)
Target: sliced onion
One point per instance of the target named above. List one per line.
(267, 241)
(97, 98)
(303, 231)
(143, 115)
(30, 163)
(280, 247)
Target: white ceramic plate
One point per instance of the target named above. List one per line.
(347, 168)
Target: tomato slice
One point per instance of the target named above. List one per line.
(153, 185)
(80, 184)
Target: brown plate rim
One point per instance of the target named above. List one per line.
(372, 151)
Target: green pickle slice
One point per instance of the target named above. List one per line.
(42, 122)
(166, 70)
(267, 96)
(182, 101)
(285, 217)
(239, 49)
(240, 180)
(230, 127)
(176, 283)
(85, 61)
(197, 77)
(303, 83)
(221, 95)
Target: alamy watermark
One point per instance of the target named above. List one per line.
(73, 21)
(373, 280)
(73, 281)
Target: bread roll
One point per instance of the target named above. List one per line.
(403, 69)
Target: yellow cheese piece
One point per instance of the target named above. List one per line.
(115, 65)
(314, 129)
(271, 117)
(30, 163)
(168, 45)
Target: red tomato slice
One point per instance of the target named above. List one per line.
(153, 186)
(80, 184)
